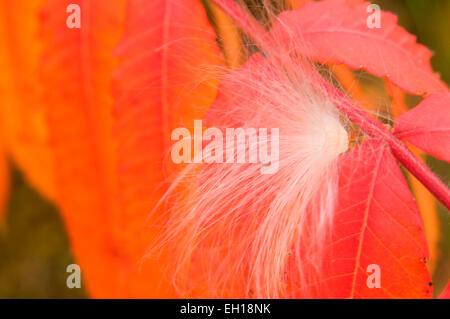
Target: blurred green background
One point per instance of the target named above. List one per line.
(34, 248)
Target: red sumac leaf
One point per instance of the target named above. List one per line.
(427, 126)
(377, 223)
(337, 32)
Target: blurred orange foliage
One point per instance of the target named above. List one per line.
(87, 114)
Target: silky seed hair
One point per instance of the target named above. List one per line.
(234, 232)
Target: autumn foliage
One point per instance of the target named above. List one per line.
(87, 114)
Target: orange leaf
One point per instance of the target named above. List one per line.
(22, 113)
(76, 69)
(295, 4)
(164, 82)
(229, 36)
(4, 185)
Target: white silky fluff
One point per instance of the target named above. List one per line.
(237, 233)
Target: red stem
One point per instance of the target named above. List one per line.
(369, 125)
(376, 130)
